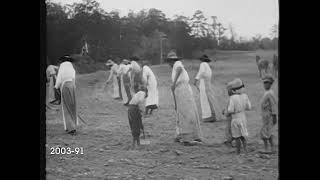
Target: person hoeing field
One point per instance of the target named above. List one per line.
(66, 83)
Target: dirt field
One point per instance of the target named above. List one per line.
(106, 138)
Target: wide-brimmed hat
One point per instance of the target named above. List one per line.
(109, 62)
(66, 58)
(236, 84)
(172, 56)
(134, 58)
(268, 78)
(125, 61)
(205, 58)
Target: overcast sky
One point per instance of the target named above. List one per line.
(249, 17)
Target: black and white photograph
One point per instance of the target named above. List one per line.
(161, 89)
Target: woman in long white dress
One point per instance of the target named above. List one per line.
(150, 81)
(114, 71)
(209, 106)
(188, 128)
(124, 71)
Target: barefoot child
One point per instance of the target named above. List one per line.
(238, 104)
(268, 113)
(134, 115)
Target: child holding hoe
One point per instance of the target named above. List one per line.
(134, 115)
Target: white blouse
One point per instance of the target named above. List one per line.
(66, 73)
(184, 77)
(138, 98)
(135, 66)
(147, 72)
(123, 69)
(204, 71)
(239, 103)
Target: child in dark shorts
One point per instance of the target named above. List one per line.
(134, 115)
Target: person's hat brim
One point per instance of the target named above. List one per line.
(135, 58)
(173, 59)
(236, 84)
(66, 58)
(109, 62)
(205, 58)
(267, 80)
(125, 61)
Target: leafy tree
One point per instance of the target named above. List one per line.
(199, 25)
(144, 33)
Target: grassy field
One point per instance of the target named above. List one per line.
(106, 138)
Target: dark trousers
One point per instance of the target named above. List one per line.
(135, 121)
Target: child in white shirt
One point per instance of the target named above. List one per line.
(134, 115)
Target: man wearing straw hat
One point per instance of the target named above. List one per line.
(188, 130)
(66, 83)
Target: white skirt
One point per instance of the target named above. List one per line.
(153, 94)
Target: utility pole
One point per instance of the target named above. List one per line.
(162, 37)
(160, 50)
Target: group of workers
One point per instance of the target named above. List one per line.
(134, 83)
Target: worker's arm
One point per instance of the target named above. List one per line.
(110, 75)
(178, 73)
(58, 80)
(231, 107)
(248, 103)
(199, 74)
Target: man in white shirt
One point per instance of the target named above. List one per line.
(66, 83)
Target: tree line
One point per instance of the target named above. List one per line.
(148, 34)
